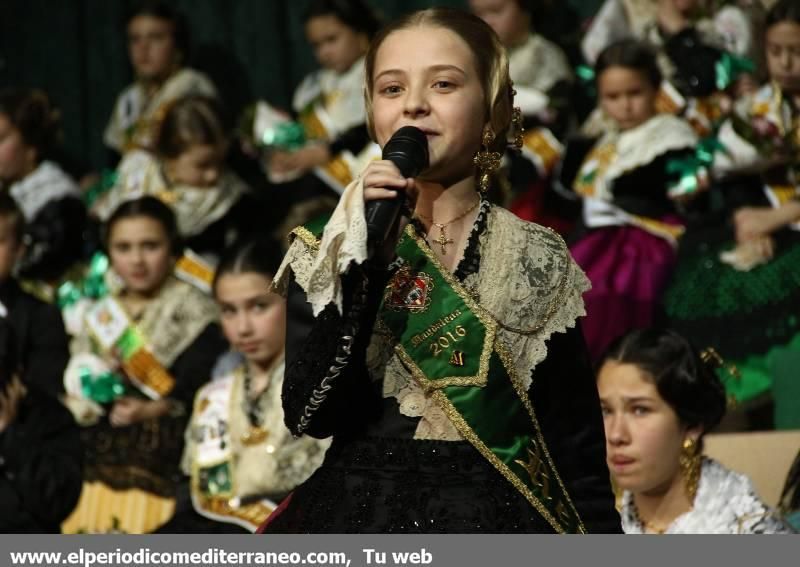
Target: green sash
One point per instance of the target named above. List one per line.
(448, 343)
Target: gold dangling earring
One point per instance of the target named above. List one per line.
(690, 463)
(486, 160)
(518, 128)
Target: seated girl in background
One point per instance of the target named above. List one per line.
(659, 398)
(707, 53)
(240, 456)
(626, 244)
(49, 199)
(737, 286)
(542, 79)
(141, 354)
(187, 171)
(158, 50)
(329, 103)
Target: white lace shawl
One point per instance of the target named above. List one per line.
(639, 146)
(726, 503)
(46, 183)
(196, 208)
(134, 108)
(277, 464)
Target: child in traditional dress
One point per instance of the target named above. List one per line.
(333, 142)
(144, 348)
(736, 287)
(629, 231)
(187, 171)
(158, 48)
(240, 457)
(660, 397)
(48, 197)
(427, 361)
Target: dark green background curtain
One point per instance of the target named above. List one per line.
(76, 51)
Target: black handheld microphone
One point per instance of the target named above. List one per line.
(408, 150)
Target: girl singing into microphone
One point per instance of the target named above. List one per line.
(449, 367)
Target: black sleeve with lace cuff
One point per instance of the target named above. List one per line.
(326, 388)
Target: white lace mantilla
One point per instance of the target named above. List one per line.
(46, 183)
(641, 145)
(726, 503)
(527, 281)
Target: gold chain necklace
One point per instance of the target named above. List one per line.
(443, 241)
(654, 529)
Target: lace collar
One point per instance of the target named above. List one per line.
(726, 503)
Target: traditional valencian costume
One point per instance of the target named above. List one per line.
(329, 107)
(453, 399)
(167, 351)
(55, 219)
(209, 218)
(725, 503)
(713, 293)
(239, 454)
(626, 244)
(137, 116)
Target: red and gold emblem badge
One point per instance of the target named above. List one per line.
(409, 291)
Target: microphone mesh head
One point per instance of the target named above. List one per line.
(408, 150)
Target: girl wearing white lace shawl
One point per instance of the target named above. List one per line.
(158, 48)
(328, 105)
(239, 456)
(407, 455)
(659, 397)
(629, 229)
(186, 170)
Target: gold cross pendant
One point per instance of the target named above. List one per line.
(443, 240)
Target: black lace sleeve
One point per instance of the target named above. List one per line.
(567, 406)
(326, 389)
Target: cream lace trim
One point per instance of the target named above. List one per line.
(176, 319)
(640, 146)
(318, 271)
(280, 462)
(48, 182)
(196, 208)
(528, 282)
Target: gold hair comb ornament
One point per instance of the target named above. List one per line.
(712, 357)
